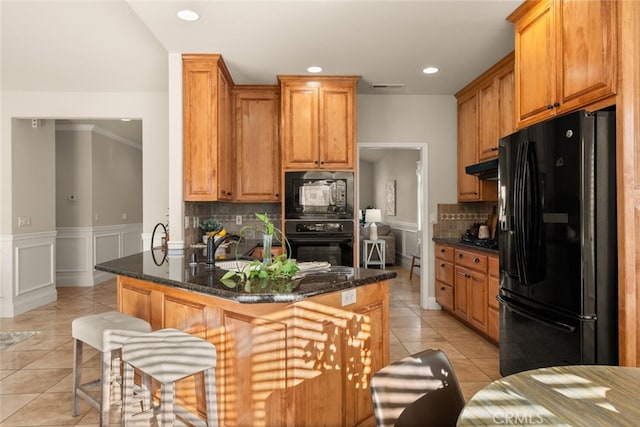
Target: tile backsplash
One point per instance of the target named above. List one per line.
(455, 219)
(225, 213)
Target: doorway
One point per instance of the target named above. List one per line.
(400, 167)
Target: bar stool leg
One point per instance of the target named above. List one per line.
(105, 372)
(77, 366)
(167, 415)
(210, 397)
(127, 398)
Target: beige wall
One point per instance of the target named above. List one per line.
(34, 175)
(73, 178)
(117, 181)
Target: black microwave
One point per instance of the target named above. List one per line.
(318, 195)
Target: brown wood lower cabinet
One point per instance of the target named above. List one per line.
(285, 364)
(466, 285)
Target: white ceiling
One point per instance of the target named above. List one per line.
(122, 45)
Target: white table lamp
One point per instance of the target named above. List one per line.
(372, 216)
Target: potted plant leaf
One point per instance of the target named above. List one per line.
(270, 274)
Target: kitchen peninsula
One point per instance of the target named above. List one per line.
(286, 356)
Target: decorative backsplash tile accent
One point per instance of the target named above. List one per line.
(455, 219)
(225, 213)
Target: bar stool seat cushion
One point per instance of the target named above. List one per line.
(169, 355)
(107, 331)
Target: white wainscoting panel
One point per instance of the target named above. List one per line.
(28, 272)
(87, 246)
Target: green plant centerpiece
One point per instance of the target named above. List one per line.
(270, 274)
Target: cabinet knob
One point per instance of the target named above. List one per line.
(315, 162)
(495, 149)
(443, 250)
(556, 104)
(476, 260)
(229, 193)
(549, 107)
(442, 265)
(277, 195)
(322, 163)
(442, 288)
(460, 256)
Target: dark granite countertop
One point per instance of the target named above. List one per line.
(452, 241)
(176, 271)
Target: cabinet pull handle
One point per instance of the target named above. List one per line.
(495, 149)
(476, 260)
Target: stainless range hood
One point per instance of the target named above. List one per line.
(487, 170)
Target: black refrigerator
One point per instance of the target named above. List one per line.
(557, 243)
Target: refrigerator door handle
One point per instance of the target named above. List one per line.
(515, 307)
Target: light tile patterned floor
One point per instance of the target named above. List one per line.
(35, 375)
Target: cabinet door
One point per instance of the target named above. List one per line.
(468, 185)
(225, 148)
(535, 64)
(460, 292)
(337, 118)
(200, 77)
(586, 34)
(257, 144)
(506, 107)
(300, 126)
(477, 309)
(488, 120)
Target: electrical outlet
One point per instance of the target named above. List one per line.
(348, 297)
(186, 222)
(24, 221)
(95, 218)
(238, 219)
(124, 216)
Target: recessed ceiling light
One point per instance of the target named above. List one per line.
(430, 70)
(314, 69)
(188, 15)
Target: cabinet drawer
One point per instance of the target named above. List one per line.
(494, 266)
(444, 271)
(444, 295)
(444, 252)
(471, 260)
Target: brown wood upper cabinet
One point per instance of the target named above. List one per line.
(485, 114)
(208, 150)
(565, 56)
(318, 122)
(257, 143)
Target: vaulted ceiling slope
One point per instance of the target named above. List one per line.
(122, 45)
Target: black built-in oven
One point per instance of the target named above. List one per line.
(329, 241)
(318, 195)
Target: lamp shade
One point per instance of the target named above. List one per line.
(373, 215)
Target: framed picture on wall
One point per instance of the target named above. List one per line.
(391, 197)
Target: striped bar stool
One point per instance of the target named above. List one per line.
(168, 355)
(106, 332)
